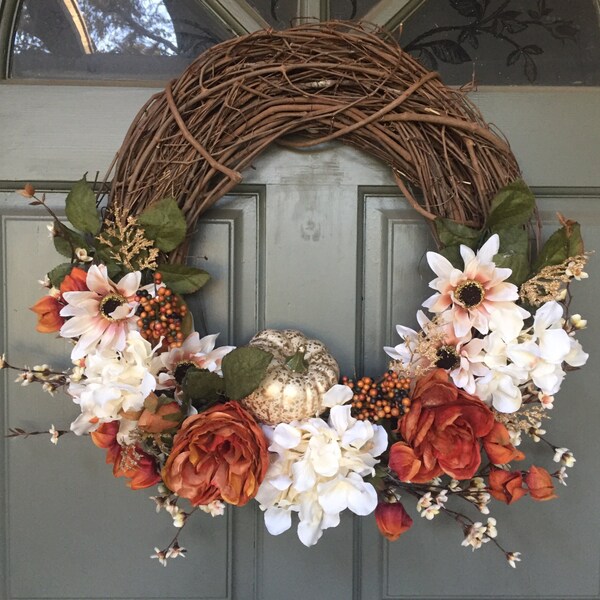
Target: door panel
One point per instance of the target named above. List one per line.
(323, 241)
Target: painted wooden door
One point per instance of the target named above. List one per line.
(318, 240)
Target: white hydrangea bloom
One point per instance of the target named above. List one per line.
(548, 346)
(115, 381)
(317, 469)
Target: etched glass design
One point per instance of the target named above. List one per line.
(507, 42)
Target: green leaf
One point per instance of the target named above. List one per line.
(518, 263)
(452, 233)
(165, 224)
(513, 252)
(57, 274)
(512, 205)
(199, 384)
(452, 253)
(243, 370)
(183, 279)
(81, 208)
(68, 240)
(562, 244)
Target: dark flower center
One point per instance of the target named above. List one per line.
(181, 369)
(109, 304)
(447, 357)
(469, 294)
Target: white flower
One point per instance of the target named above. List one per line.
(473, 294)
(562, 475)
(513, 558)
(176, 550)
(543, 354)
(578, 322)
(546, 401)
(171, 367)
(161, 555)
(82, 255)
(115, 382)
(317, 470)
(54, 434)
(216, 508)
(490, 529)
(102, 315)
(576, 271)
(565, 456)
(3, 361)
(179, 519)
(475, 536)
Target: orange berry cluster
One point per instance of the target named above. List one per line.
(376, 400)
(161, 315)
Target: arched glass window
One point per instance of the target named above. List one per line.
(490, 42)
(111, 39)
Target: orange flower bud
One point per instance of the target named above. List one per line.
(47, 309)
(506, 486)
(162, 418)
(392, 520)
(540, 485)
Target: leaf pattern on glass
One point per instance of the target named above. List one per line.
(503, 20)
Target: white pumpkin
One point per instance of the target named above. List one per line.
(296, 379)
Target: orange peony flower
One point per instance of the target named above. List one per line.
(441, 433)
(392, 520)
(127, 461)
(48, 308)
(540, 485)
(220, 453)
(498, 447)
(506, 486)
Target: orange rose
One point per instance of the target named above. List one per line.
(48, 308)
(498, 447)
(540, 485)
(392, 520)
(506, 486)
(127, 461)
(441, 433)
(220, 453)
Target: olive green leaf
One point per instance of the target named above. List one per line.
(67, 241)
(165, 224)
(513, 253)
(81, 208)
(200, 384)
(452, 253)
(243, 370)
(562, 244)
(513, 205)
(452, 233)
(57, 274)
(183, 279)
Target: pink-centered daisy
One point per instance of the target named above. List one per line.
(103, 315)
(473, 294)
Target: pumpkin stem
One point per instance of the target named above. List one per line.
(296, 362)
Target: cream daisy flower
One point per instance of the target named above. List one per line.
(103, 315)
(473, 294)
(170, 367)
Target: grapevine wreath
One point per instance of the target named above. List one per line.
(272, 420)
